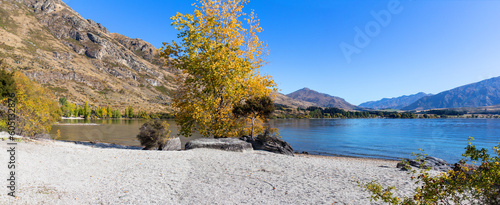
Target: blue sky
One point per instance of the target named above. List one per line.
(424, 46)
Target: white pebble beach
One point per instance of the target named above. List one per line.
(55, 172)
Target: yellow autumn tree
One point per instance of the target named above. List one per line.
(218, 62)
(36, 108)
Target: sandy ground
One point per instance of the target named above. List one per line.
(49, 172)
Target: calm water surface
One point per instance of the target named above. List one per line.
(377, 138)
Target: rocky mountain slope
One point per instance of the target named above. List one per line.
(394, 103)
(483, 93)
(321, 99)
(285, 100)
(80, 59)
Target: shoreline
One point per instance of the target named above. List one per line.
(122, 146)
(69, 173)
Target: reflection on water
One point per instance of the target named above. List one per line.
(118, 131)
(379, 138)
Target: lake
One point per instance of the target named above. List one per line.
(374, 138)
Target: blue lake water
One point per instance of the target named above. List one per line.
(375, 138)
(389, 138)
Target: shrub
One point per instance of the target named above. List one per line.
(464, 184)
(154, 134)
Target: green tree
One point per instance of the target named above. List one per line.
(253, 108)
(86, 110)
(219, 60)
(7, 84)
(77, 111)
(109, 112)
(130, 112)
(117, 114)
(63, 101)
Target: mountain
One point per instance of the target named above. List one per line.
(483, 93)
(321, 99)
(294, 103)
(80, 59)
(394, 103)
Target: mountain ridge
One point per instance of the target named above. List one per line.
(321, 99)
(482, 93)
(395, 102)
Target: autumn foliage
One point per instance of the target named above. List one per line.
(218, 59)
(35, 107)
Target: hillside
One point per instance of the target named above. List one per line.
(321, 99)
(285, 100)
(483, 93)
(394, 103)
(80, 59)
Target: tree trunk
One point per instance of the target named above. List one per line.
(251, 133)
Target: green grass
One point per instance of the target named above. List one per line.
(6, 22)
(105, 91)
(163, 90)
(40, 38)
(74, 41)
(6, 47)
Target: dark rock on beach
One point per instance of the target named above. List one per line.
(228, 144)
(432, 162)
(269, 143)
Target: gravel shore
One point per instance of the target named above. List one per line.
(54, 172)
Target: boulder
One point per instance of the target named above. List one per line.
(269, 143)
(227, 144)
(432, 162)
(173, 145)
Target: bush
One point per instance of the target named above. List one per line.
(153, 134)
(466, 183)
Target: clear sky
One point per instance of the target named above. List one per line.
(360, 50)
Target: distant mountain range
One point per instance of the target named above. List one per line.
(475, 95)
(321, 99)
(394, 103)
(483, 93)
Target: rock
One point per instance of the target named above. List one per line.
(94, 38)
(269, 143)
(228, 144)
(432, 162)
(173, 145)
(98, 26)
